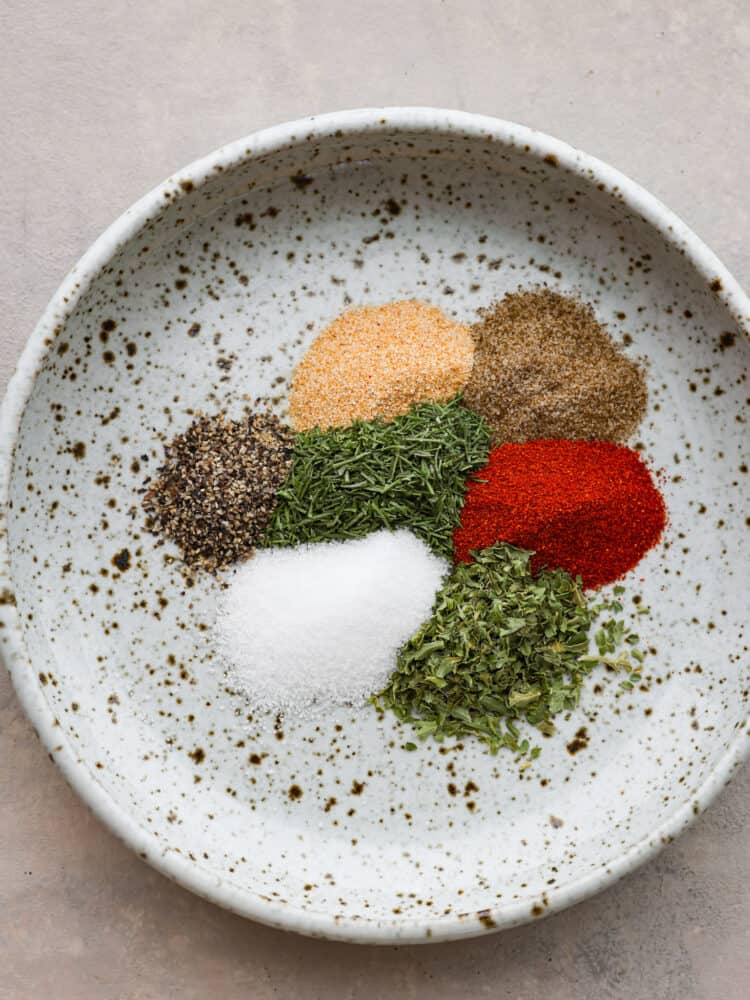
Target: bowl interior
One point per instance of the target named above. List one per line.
(209, 305)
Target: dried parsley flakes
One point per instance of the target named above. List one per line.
(502, 645)
(410, 472)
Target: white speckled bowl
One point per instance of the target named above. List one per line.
(208, 289)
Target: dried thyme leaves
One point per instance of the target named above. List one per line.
(409, 472)
(502, 646)
(216, 491)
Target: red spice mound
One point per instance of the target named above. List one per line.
(588, 507)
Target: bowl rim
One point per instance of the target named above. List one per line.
(339, 124)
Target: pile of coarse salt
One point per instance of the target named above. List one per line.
(320, 625)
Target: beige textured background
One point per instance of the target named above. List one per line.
(99, 102)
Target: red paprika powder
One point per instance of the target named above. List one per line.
(588, 507)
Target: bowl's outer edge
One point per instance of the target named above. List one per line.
(63, 752)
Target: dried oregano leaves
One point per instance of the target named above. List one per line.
(503, 646)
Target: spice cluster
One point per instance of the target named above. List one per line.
(432, 528)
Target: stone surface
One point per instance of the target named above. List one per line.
(99, 103)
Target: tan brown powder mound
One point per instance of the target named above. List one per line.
(544, 367)
(378, 361)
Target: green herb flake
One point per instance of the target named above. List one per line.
(409, 472)
(502, 647)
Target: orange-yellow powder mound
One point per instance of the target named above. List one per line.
(378, 361)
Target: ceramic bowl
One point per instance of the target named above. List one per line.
(202, 296)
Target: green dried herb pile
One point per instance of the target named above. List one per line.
(503, 645)
(409, 472)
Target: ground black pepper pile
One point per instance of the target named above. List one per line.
(216, 491)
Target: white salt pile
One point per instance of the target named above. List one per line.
(322, 624)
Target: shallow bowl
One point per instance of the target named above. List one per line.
(202, 296)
